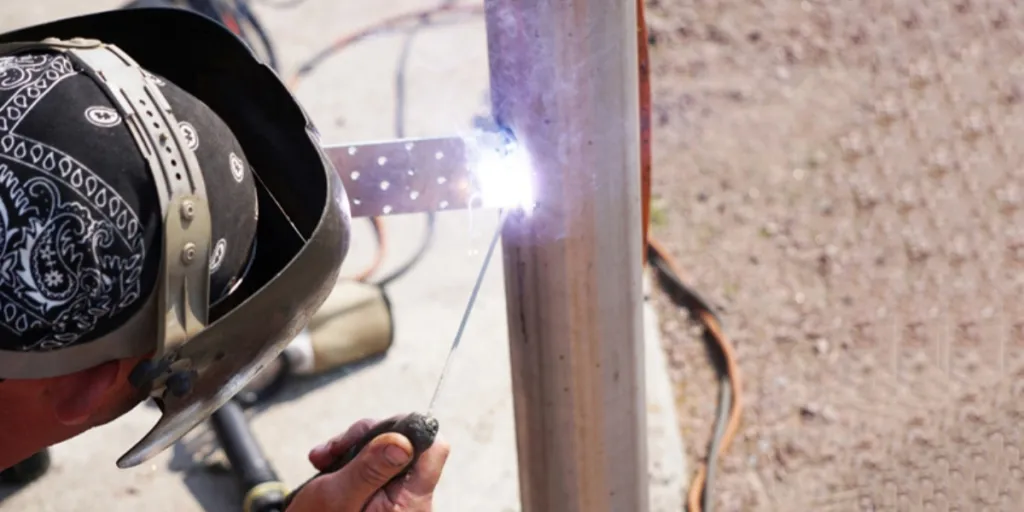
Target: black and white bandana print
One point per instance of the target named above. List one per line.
(80, 225)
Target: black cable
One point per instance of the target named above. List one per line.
(400, 107)
(264, 491)
(286, 4)
(400, 102)
(244, 12)
(428, 238)
(318, 58)
(28, 470)
(724, 404)
(240, 446)
(401, 67)
(685, 297)
(682, 295)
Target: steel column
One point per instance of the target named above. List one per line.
(564, 81)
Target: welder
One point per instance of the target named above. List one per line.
(168, 223)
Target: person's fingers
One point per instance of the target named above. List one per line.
(425, 475)
(416, 491)
(324, 455)
(381, 460)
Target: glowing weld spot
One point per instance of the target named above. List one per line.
(505, 178)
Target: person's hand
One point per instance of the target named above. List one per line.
(362, 485)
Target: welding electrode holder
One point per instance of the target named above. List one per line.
(354, 324)
(419, 429)
(264, 492)
(28, 470)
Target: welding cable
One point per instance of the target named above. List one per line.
(668, 277)
(380, 232)
(245, 13)
(377, 223)
(400, 111)
(671, 281)
(286, 4)
(730, 402)
(425, 244)
(422, 17)
(379, 227)
(391, 24)
(724, 404)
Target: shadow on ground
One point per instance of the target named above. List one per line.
(203, 466)
(6, 491)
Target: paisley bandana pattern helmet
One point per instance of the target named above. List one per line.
(79, 217)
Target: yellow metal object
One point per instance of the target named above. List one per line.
(355, 323)
(262, 490)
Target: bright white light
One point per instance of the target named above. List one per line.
(504, 178)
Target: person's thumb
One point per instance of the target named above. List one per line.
(380, 461)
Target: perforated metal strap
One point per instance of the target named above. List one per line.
(184, 282)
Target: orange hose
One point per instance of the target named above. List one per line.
(378, 257)
(707, 318)
(735, 412)
(645, 124)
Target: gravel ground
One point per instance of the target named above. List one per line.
(842, 180)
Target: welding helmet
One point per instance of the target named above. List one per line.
(200, 345)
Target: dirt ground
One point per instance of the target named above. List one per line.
(843, 179)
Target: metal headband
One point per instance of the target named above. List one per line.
(182, 290)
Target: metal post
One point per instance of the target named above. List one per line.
(564, 80)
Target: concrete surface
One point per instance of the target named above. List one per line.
(351, 99)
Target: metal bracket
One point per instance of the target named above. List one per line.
(425, 175)
(404, 176)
